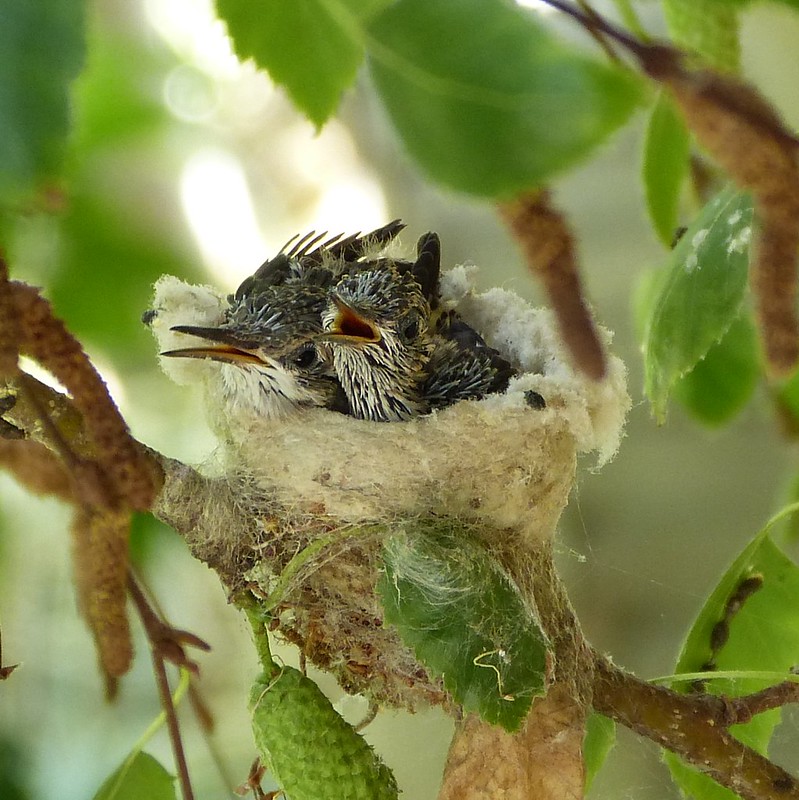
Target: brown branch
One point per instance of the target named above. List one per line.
(168, 641)
(549, 248)
(694, 726)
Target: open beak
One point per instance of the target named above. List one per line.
(349, 326)
(229, 348)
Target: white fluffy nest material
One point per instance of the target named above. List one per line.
(497, 461)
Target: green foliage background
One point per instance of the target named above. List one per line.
(643, 543)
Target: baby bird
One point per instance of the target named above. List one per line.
(462, 366)
(375, 324)
(268, 360)
(397, 359)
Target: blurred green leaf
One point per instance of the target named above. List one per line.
(107, 268)
(466, 621)
(146, 532)
(701, 295)
(14, 769)
(138, 778)
(101, 255)
(707, 27)
(719, 386)
(41, 52)
(599, 740)
(485, 99)
(311, 47)
(789, 529)
(770, 614)
(118, 96)
(667, 150)
(787, 399)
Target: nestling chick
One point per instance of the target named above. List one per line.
(396, 358)
(462, 366)
(267, 359)
(268, 362)
(376, 326)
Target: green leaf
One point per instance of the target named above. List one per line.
(700, 296)
(116, 100)
(140, 777)
(599, 740)
(485, 99)
(707, 27)
(770, 614)
(311, 47)
(787, 398)
(719, 386)
(466, 620)
(789, 530)
(41, 51)
(15, 769)
(667, 150)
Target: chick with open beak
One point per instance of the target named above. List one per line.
(375, 326)
(266, 354)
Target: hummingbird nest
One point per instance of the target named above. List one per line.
(303, 503)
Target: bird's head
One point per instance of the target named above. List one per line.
(375, 324)
(266, 351)
(381, 307)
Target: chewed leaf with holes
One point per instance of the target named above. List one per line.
(699, 296)
(466, 620)
(756, 601)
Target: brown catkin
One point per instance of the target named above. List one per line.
(100, 555)
(46, 339)
(549, 248)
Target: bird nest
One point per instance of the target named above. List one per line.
(322, 491)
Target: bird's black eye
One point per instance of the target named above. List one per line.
(306, 357)
(409, 328)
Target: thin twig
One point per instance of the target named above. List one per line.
(154, 628)
(742, 709)
(172, 725)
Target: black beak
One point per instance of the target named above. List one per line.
(230, 348)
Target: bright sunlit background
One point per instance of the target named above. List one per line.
(190, 163)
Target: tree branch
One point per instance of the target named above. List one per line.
(694, 726)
